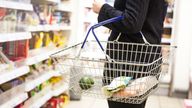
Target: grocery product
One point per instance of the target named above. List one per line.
(16, 50)
(86, 82)
(38, 40)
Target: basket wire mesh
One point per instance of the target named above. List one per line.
(122, 72)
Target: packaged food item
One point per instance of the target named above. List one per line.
(16, 50)
(2, 15)
(116, 85)
(137, 87)
(5, 63)
(39, 10)
(47, 41)
(55, 80)
(59, 39)
(21, 24)
(10, 21)
(57, 102)
(38, 40)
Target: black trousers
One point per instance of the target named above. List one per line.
(113, 104)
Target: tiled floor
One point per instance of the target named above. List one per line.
(153, 102)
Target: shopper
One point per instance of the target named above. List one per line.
(144, 16)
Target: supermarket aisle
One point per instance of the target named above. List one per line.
(153, 102)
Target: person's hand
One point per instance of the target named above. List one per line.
(97, 4)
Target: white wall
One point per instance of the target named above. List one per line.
(183, 34)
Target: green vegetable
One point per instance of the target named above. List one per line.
(86, 83)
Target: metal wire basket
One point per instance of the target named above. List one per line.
(122, 72)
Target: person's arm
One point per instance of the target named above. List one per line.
(134, 16)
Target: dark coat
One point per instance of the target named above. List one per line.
(146, 16)
(139, 15)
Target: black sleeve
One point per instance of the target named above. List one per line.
(133, 16)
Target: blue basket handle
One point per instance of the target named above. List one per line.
(115, 19)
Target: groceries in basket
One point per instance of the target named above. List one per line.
(116, 85)
(86, 82)
(128, 88)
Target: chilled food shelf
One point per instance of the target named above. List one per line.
(39, 99)
(4, 37)
(35, 80)
(64, 6)
(59, 88)
(52, 2)
(16, 5)
(43, 96)
(48, 28)
(8, 75)
(13, 97)
(38, 55)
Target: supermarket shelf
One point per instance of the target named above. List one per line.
(39, 99)
(12, 74)
(45, 1)
(53, 1)
(48, 28)
(4, 37)
(40, 54)
(16, 5)
(13, 97)
(43, 96)
(38, 79)
(64, 7)
(59, 88)
(165, 40)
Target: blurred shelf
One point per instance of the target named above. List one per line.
(48, 2)
(52, 1)
(59, 88)
(39, 79)
(4, 37)
(43, 96)
(8, 75)
(16, 5)
(48, 28)
(40, 54)
(168, 25)
(13, 97)
(165, 40)
(64, 6)
(39, 99)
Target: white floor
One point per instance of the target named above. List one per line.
(153, 102)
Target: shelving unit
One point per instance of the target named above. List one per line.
(13, 97)
(38, 79)
(40, 54)
(48, 28)
(13, 73)
(4, 37)
(53, 2)
(168, 38)
(66, 6)
(19, 94)
(59, 88)
(47, 93)
(39, 99)
(16, 5)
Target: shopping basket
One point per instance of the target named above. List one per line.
(118, 71)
